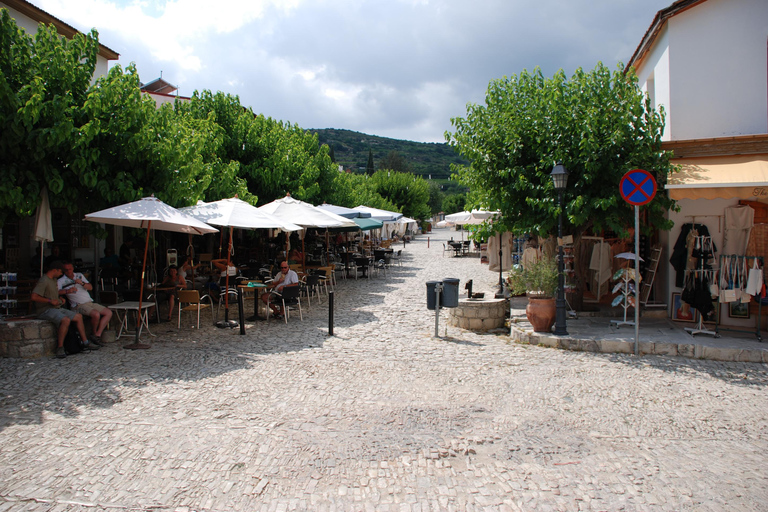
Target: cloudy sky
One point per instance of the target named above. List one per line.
(394, 68)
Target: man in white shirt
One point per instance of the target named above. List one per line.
(75, 287)
(286, 277)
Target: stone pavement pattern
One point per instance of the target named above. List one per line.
(382, 416)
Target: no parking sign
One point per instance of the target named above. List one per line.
(638, 187)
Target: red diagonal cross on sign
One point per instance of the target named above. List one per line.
(637, 187)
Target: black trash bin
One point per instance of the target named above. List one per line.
(450, 296)
(431, 294)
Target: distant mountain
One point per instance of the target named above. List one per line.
(424, 158)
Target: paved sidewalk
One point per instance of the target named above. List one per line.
(381, 416)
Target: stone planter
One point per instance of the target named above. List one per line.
(541, 312)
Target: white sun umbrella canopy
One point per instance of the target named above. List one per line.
(149, 213)
(459, 217)
(236, 213)
(345, 212)
(376, 213)
(305, 215)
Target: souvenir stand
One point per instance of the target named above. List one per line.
(627, 297)
(741, 277)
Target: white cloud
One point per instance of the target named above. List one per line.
(400, 69)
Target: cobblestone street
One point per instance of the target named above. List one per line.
(381, 416)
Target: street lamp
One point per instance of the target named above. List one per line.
(560, 179)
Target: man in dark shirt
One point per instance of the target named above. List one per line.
(45, 295)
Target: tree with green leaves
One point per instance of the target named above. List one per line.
(408, 192)
(598, 124)
(454, 203)
(436, 197)
(43, 84)
(394, 161)
(272, 157)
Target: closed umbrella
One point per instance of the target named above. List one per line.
(149, 213)
(235, 213)
(43, 224)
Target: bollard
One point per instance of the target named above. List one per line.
(438, 289)
(330, 313)
(240, 310)
(427, 242)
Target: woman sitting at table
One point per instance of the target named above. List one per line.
(173, 282)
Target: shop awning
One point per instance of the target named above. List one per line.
(727, 177)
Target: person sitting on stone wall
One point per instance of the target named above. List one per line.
(45, 295)
(75, 287)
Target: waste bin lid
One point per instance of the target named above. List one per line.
(451, 280)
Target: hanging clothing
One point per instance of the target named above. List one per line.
(601, 262)
(739, 221)
(530, 256)
(680, 253)
(506, 252)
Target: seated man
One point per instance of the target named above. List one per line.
(45, 295)
(75, 287)
(285, 278)
(175, 282)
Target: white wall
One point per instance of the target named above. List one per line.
(709, 69)
(30, 26)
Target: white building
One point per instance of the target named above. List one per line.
(706, 63)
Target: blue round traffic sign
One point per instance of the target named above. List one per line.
(638, 187)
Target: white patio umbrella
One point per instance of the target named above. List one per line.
(43, 224)
(149, 213)
(349, 213)
(306, 215)
(235, 213)
(379, 214)
(459, 217)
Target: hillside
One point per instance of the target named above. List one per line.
(424, 159)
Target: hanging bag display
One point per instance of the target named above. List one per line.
(755, 279)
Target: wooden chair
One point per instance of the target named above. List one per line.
(190, 300)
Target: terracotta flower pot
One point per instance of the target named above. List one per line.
(541, 311)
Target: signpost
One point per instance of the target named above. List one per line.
(637, 187)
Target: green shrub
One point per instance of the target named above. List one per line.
(540, 279)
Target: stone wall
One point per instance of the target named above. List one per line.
(479, 314)
(27, 338)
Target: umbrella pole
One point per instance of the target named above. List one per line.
(227, 322)
(42, 251)
(136, 344)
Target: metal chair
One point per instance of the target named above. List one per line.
(398, 257)
(288, 297)
(310, 284)
(232, 293)
(190, 300)
(362, 264)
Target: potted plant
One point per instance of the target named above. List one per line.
(539, 283)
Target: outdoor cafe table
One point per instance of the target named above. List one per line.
(256, 288)
(125, 307)
(456, 247)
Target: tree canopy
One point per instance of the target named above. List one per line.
(598, 124)
(98, 145)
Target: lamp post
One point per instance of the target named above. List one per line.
(560, 178)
